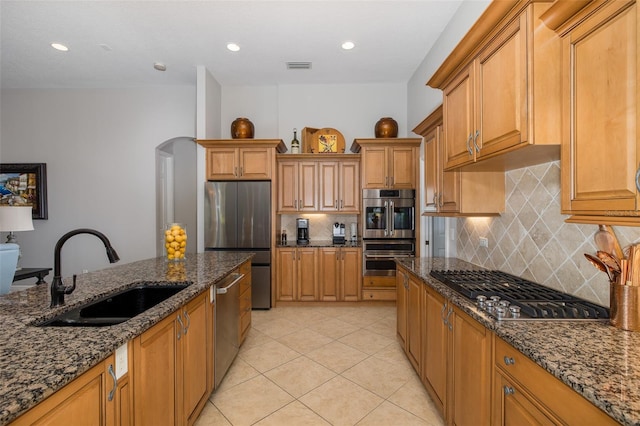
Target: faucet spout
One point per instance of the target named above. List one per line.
(58, 289)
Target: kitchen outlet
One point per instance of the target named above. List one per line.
(122, 363)
(484, 242)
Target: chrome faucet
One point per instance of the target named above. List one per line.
(58, 289)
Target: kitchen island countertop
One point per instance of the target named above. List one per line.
(35, 362)
(597, 360)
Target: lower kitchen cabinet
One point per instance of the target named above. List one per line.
(409, 317)
(297, 272)
(339, 274)
(90, 399)
(526, 394)
(379, 288)
(168, 359)
(435, 348)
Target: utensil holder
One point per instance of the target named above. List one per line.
(624, 303)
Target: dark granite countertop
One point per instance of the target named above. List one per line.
(597, 360)
(37, 361)
(321, 243)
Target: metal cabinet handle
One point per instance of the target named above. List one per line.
(469, 144)
(235, 171)
(336, 204)
(638, 179)
(509, 360)
(444, 306)
(341, 204)
(179, 334)
(386, 181)
(391, 181)
(449, 324)
(508, 390)
(188, 318)
(112, 392)
(241, 171)
(295, 204)
(475, 140)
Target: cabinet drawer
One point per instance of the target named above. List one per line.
(245, 301)
(378, 295)
(559, 398)
(379, 282)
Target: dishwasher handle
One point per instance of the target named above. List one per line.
(224, 290)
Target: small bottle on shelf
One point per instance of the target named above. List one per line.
(284, 236)
(295, 144)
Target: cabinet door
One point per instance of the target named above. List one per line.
(194, 355)
(307, 282)
(255, 163)
(83, 401)
(471, 371)
(328, 184)
(600, 141)
(287, 186)
(401, 306)
(374, 167)
(402, 166)
(414, 324)
(349, 187)
(458, 116)
(351, 274)
(431, 183)
(155, 357)
(435, 348)
(286, 274)
(308, 186)
(501, 90)
(222, 163)
(514, 406)
(329, 276)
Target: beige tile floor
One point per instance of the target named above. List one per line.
(325, 365)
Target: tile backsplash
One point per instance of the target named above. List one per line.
(320, 225)
(532, 240)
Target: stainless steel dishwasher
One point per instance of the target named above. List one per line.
(227, 317)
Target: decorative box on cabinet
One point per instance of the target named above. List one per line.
(501, 91)
(600, 135)
(247, 159)
(388, 163)
(455, 192)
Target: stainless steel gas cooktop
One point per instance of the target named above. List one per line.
(507, 297)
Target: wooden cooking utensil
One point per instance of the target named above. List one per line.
(599, 265)
(634, 265)
(607, 241)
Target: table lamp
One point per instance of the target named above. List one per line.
(13, 219)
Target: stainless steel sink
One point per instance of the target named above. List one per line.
(116, 308)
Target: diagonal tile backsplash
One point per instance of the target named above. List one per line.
(531, 239)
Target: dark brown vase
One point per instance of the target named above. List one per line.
(242, 128)
(386, 127)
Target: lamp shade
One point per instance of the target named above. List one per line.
(14, 218)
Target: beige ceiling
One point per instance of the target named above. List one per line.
(115, 43)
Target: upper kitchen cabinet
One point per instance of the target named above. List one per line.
(455, 192)
(247, 159)
(501, 91)
(388, 163)
(600, 140)
(340, 186)
(297, 186)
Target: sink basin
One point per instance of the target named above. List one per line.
(117, 307)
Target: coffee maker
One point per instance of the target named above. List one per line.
(302, 233)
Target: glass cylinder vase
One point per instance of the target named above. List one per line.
(175, 241)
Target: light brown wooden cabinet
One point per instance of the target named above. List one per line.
(339, 186)
(244, 302)
(170, 386)
(600, 136)
(435, 349)
(409, 308)
(244, 159)
(507, 60)
(525, 394)
(297, 186)
(388, 163)
(339, 274)
(296, 274)
(455, 192)
(94, 398)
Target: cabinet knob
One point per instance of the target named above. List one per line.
(509, 360)
(508, 390)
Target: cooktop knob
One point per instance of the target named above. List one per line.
(504, 303)
(481, 299)
(495, 298)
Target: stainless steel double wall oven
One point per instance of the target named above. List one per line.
(388, 224)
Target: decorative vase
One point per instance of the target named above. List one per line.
(175, 241)
(386, 127)
(242, 128)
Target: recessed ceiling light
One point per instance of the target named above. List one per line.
(160, 66)
(233, 47)
(348, 45)
(60, 47)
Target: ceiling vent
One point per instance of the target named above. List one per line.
(298, 65)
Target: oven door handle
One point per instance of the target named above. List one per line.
(385, 256)
(391, 221)
(386, 210)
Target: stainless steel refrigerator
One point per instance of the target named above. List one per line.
(238, 218)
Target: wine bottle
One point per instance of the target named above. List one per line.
(295, 144)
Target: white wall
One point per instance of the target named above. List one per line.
(99, 146)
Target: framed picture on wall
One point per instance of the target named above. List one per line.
(25, 184)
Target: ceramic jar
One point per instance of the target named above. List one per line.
(386, 127)
(242, 128)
